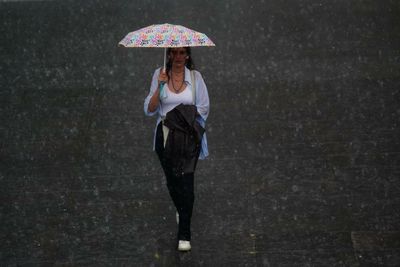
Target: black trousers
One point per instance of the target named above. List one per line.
(180, 187)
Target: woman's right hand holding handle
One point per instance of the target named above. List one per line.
(162, 77)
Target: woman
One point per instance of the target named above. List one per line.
(180, 85)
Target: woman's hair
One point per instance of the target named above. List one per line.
(189, 62)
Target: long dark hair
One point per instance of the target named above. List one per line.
(189, 62)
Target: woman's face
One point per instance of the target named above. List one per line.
(178, 56)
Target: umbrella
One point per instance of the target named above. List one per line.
(164, 36)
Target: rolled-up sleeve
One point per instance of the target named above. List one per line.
(202, 99)
(153, 88)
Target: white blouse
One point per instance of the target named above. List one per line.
(185, 97)
(202, 103)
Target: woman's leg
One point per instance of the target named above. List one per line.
(180, 187)
(181, 190)
(186, 193)
(174, 189)
(173, 182)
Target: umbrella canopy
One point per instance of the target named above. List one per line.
(165, 35)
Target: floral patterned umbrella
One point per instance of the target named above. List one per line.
(165, 35)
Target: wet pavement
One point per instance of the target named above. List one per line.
(303, 135)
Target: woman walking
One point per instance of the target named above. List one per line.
(183, 95)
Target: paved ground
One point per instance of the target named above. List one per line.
(303, 134)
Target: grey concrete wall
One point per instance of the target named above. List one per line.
(303, 134)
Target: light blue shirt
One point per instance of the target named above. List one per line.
(202, 104)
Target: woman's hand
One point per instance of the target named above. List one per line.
(155, 99)
(162, 77)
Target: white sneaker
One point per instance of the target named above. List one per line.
(177, 218)
(184, 245)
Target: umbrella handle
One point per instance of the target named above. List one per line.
(163, 94)
(161, 86)
(165, 56)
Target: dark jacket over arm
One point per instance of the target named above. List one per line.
(183, 143)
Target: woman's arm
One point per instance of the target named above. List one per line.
(202, 99)
(152, 101)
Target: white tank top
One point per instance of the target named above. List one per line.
(185, 97)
